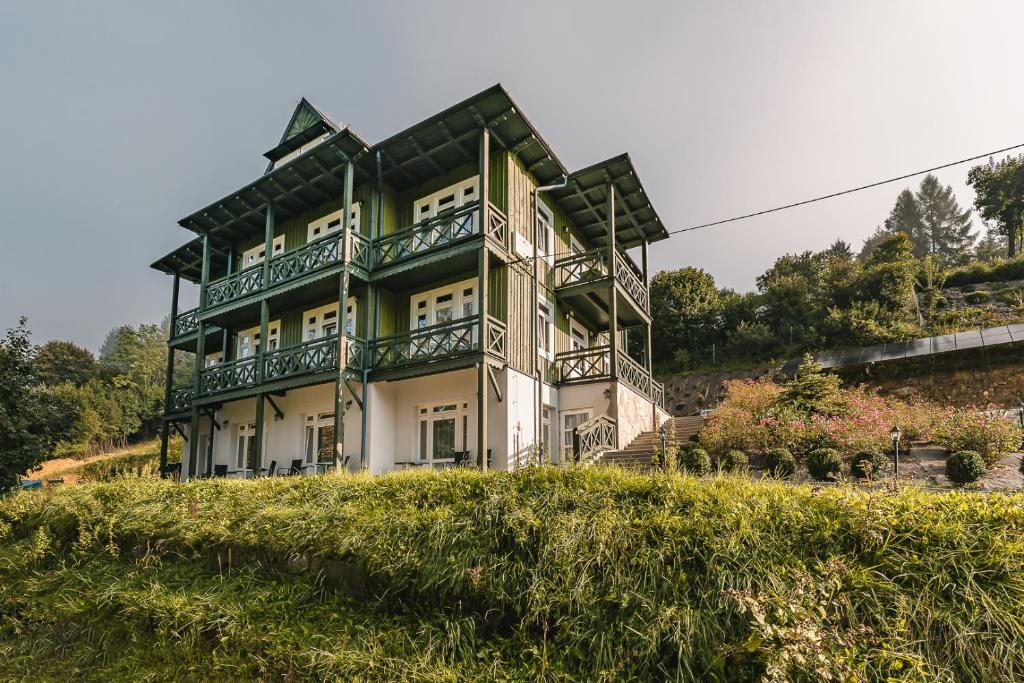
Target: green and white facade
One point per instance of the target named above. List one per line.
(488, 302)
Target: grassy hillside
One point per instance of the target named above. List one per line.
(588, 575)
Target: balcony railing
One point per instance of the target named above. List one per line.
(592, 265)
(594, 437)
(313, 356)
(426, 235)
(632, 373)
(185, 323)
(497, 226)
(439, 342)
(234, 286)
(225, 376)
(181, 400)
(594, 364)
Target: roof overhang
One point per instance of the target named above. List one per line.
(187, 260)
(450, 139)
(313, 177)
(585, 201)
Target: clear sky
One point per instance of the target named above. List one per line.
(119, 118)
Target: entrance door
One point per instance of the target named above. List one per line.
(441, 427)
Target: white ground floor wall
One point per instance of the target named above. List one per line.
(406, 418)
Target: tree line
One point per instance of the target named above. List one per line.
(835, 298)
(59, 400)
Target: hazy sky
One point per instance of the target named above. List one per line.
(118, 119)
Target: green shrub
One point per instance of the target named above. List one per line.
(991, 436)
(979, 297)
(824, 463)
(1011, 296)
(869, 464)
(964, 467)
(733, 461)
(695, 460)
(780, 462)
(993, 271)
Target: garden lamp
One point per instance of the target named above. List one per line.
(894, 433)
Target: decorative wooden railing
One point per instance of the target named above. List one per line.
(308, 357)
(426, 235)
(592, 265)
(360, 250)
(632, 373)
(583, 364)
(495, 337)
(658, 393)
(185, 323)
(593, 438)
(631, 280)
(231, 375)
(181, 399)
(306, 259)
(497, 226)
(435, 342)
(234, 286)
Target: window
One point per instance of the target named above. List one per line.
(332, 223)
(294, 153)
(213, 359)
(570, 421)
(318, 440)
(255, 255)
(579, 336)
(249, 340)
(450, 198)
(545, 232)
(443, 305)
(440, 428)
(575, 247)
(545, 329)
(246, 442)
(323, 322)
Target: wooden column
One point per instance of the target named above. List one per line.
(193, 441)
(613, 304)
(647, 286)
(339, 381)
(169, 374)
(268, 246)
(483, 267)
(209, 448)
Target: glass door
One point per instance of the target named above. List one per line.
(439, 428)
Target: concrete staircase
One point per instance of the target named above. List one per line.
(639, 453)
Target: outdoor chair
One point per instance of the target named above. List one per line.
(220, 470)
(294, 470)
(266, 471)
(461, 458)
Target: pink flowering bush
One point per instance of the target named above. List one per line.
(991, 436)
(755, 416)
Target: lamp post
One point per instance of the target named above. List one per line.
(894, 433)
(1020, 413)
(664, 441)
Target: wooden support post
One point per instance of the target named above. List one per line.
(169, 374)
(209, 447)
(256, 462)
(613, 303)
(481, 383)
(339, 381)
(647, 328)
(193, 440)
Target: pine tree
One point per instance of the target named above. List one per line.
(906, 217)
(945, 227)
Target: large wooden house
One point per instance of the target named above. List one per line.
(489, 316)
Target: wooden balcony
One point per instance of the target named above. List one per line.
(282, 366)
(444, 244)
(583, 282)
(181, 401)
(594, 364)
(437, 343)
(289, 269)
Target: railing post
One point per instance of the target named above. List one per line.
(169, 374)
(613, 304)
(193, 441)
(256, 462)
(339, 380)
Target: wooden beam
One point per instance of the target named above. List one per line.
(339, 395)
(494, 382)
(278, 413)
(355, 396)
(213, 419)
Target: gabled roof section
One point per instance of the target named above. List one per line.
(450, 139)
(585, 200)
(306, 124)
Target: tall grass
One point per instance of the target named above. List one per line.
(589, 575)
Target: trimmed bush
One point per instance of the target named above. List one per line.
(869, 464)
(695, 460)
(991, 436)
(780, 462)
(964, 467)
(824, 463)
(733, 461)
(978, 297)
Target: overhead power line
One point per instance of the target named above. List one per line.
(841, 193)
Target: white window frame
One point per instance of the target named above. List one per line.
(248, 340)
(462, 193)
(566, 441)
(316, 320)
(547, 446)
(546, 328)
(331, 223)
(428, 299)
(425, 414)
(312, 426)
(575, 246)
(545, 232)
(251, 257)
(245, 436)
(215, 358)
(575, 326)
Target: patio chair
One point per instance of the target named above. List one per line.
(461, 458)
(294, 470)
(266, 471)
(220, 470)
